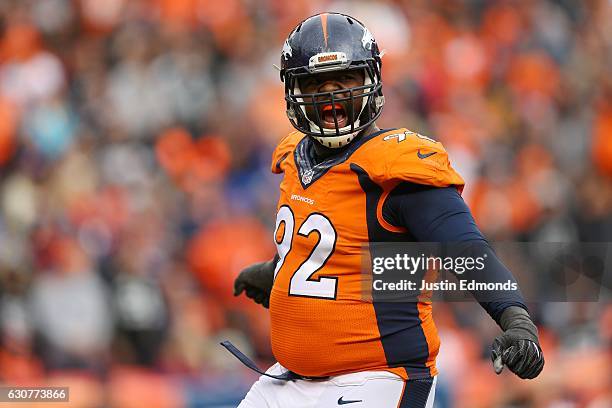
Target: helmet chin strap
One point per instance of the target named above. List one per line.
(335, 142)
(331, 139)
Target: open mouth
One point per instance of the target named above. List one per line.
(327, 116)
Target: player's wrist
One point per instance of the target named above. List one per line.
(267, 270)
(516, 322)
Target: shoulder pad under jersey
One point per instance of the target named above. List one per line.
(403, 155)
(283, 149)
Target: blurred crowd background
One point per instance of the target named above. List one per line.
(135, 139)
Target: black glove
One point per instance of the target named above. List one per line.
(518, 347)
(257, 281)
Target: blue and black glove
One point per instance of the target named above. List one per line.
(256, 280)
(518, 347)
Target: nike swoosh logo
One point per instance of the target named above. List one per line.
(344, 402)
(426, 155)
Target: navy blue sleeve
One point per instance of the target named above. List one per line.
(434, 214)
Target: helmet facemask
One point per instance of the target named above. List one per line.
(333, 103)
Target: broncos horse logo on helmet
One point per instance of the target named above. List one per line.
(330, 42)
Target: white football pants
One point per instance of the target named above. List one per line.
(372, 389)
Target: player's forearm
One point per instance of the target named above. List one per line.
(494, 273)
(496, 302)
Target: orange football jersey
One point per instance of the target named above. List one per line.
(320, 323)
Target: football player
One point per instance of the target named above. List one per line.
(348, 183)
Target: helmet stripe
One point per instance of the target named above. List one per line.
(324, 25)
